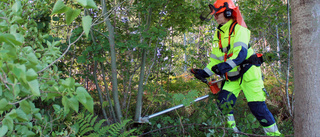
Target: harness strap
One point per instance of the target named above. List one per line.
(226, 56)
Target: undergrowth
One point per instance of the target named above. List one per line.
(205, 119)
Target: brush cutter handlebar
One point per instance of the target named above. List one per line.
(213, 85)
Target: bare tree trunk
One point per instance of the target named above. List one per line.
(107, 96)
(97, 83)
(113, 64)
(99, 92)
(289, 58)
(278, 52)
(140, 88)
(306, 49)
(185, 52)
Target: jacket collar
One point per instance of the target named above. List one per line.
(223, 28)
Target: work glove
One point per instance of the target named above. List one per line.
(221, 68)
(216, 70)
(199, 72)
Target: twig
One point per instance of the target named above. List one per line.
(20, 100)
(4, 80)
(62, 54)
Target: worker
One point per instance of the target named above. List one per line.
(234, 59)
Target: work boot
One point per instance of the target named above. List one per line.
(272, 130)
(232, 123)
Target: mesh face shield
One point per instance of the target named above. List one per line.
(208, 14)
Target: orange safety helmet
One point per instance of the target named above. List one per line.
(221, 6)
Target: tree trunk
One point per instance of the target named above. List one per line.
(113, 64)
(306, 49)
(140, 88)
(185, 51)
(278, 51)
(99, 92)
(288, 62)
(107, 96)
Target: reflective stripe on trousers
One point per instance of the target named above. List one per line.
(272, 128)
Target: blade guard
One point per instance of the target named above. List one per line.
(214, 87)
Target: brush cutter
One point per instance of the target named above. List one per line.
(213, 85)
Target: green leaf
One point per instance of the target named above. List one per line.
(74, 104)
(34, 87)
(8, 121)
(81, 95)
(38, 116)
(31, 74)
(16, 90)
(56, 107)
(19, 37)
(88, 4)
(83, 3)
(32, 58)
(3, 130)
(12, 114)
(3, 103)
(9, 39)
(86, 24)
(19, 71)
(16, 6)
(29, 124)
(69, 82)
(23, 130)
(84, 98)
(186, 102)
(59, 7)
(21, 116)
(65, 105)
(53, 95)
(178, 97)
(25, 106)
(71, 15)
(91, 4)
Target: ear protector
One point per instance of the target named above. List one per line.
(227, 12)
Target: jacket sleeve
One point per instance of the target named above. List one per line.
(240, 46)
(240, 49)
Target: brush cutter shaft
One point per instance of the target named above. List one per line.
(146, 118)
(176, 107)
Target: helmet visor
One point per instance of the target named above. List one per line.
(207, 14)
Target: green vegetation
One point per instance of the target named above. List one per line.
(57, 79)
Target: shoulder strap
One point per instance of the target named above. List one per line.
(231, 30)
(232, 26)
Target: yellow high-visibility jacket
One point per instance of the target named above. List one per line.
(239, 49)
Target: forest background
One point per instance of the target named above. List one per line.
(94, 68)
